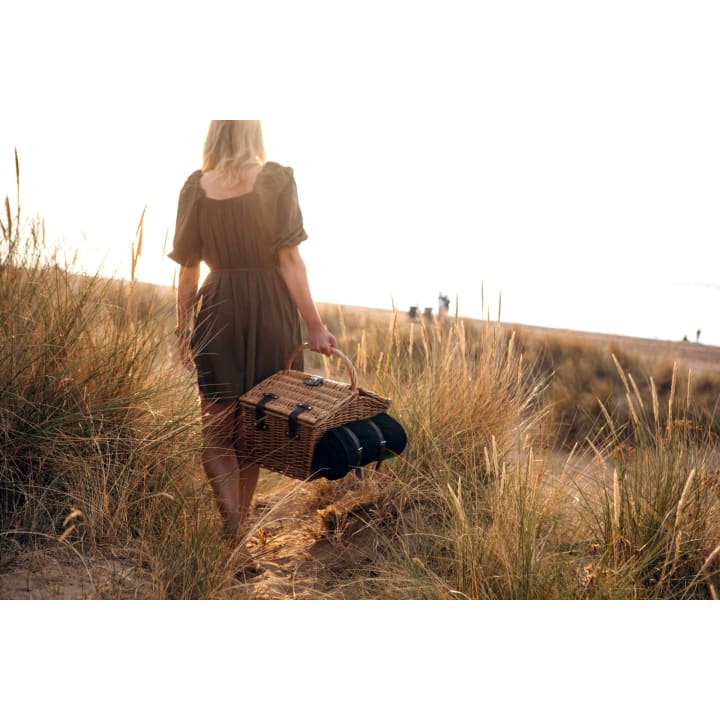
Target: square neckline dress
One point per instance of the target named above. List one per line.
(246, 324)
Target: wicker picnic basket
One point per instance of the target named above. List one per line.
(283, 417)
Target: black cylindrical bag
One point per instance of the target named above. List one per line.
(356, 444)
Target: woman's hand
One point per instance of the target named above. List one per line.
(321, 340)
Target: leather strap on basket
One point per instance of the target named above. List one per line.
(292, 432)
(260, 423)
(350, 367)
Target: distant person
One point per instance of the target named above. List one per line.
(240, 215)
(443, 305)
(697, 336)
(685, 338)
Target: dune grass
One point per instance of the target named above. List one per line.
(99, 431)
(532, 471)
(490, 502)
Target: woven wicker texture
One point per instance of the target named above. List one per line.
(333, 403)
(290, 387)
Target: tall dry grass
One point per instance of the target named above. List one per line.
(530, 473)
(584, 372)
(468, 517)
(99, 430)
(656, 519)
(488, 501)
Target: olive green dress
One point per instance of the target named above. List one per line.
(246, 324)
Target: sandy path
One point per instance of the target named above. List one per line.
(305, 538)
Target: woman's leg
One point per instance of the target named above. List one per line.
(247, 476)
(247, 482)
(233, 484)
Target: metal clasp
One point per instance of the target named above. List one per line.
(313, 381)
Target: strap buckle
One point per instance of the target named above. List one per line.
(260, 423)
(383, 443)
(292, 431)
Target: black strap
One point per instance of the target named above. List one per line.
(260, 423)
(357, 447)
(292, 432)
(383, 443)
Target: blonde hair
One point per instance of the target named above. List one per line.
(232, 147)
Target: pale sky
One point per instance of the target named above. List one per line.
(563, 154)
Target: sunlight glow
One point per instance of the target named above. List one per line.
(579, 183)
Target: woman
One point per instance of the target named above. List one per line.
(240, 215)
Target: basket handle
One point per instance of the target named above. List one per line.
(350, 367)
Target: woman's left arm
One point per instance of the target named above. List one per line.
(186, 292)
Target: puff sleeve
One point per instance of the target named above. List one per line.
(289, 229)
(187, 246)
